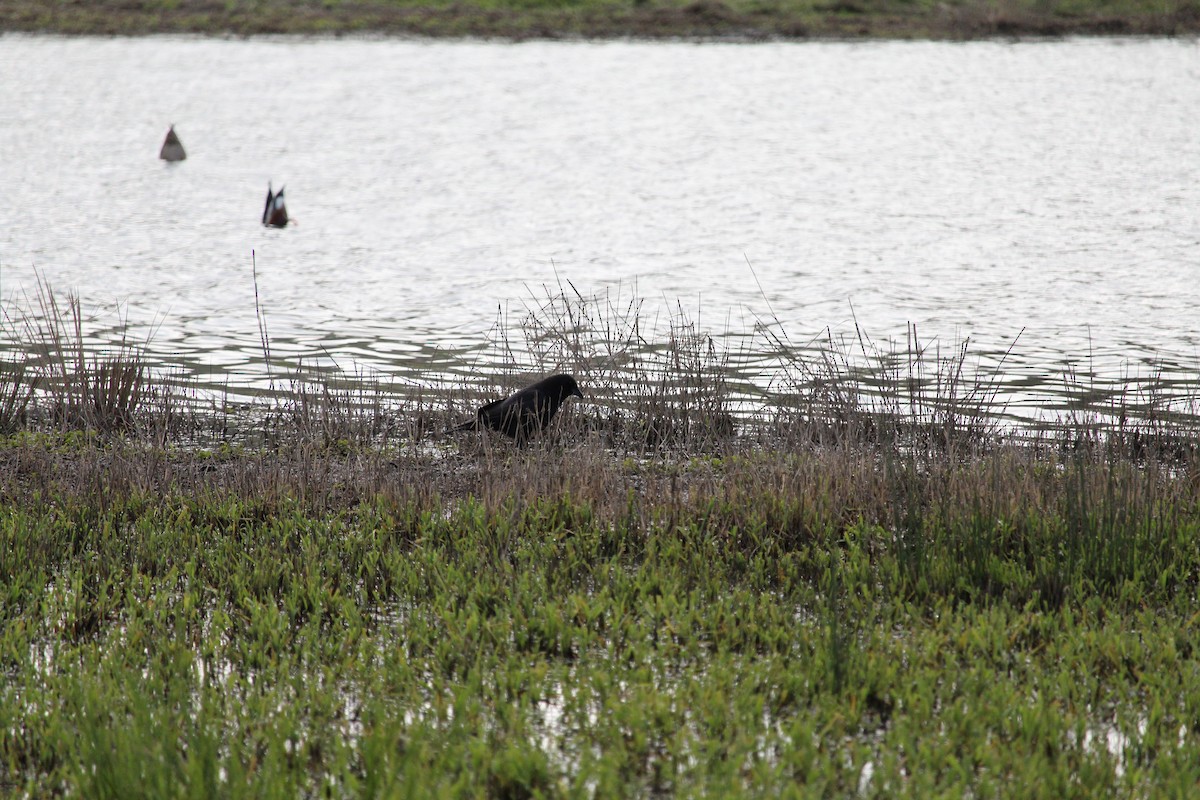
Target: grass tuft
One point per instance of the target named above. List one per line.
(79, 386)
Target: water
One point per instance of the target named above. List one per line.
(977, 191)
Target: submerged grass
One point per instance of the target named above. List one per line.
(870, 589)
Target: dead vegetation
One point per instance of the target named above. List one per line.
(658, 391)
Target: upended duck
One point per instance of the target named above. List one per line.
(172, 148)
(275, 212)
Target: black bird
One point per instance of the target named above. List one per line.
(275, 212)
(525, 413)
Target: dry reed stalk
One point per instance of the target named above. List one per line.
(85, 390)
(18, 382)
(655, 384)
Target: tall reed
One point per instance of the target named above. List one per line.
(656, 382)
(79, 386)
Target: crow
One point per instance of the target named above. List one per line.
(275, 212)
(525, 413)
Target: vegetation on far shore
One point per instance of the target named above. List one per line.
(556, 19)
(328, 598)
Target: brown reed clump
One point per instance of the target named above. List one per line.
(665, 430)
(65, 383)
(17, 387)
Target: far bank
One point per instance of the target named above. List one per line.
(745, 20)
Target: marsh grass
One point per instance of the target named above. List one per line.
(656, 383)
(337, 411)
(562, 622)
(912, 395)
(17, 386)
(81, 386)
(1145, 420)
(863, 584)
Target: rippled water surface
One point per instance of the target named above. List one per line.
(973, 190)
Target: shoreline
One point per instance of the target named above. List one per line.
(698, 20)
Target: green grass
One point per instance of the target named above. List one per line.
(523, 19)
(768, 625)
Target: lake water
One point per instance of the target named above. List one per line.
(977, 191)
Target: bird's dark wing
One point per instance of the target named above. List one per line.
(505, 416)
(493, 415)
